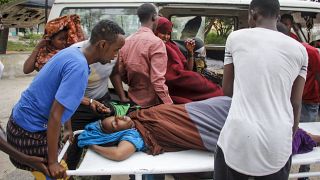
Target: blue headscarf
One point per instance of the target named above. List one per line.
(94, 135)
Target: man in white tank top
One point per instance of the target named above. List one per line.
(266, 83)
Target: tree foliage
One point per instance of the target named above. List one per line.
(5, 1)
(9, 3)
(221, 26)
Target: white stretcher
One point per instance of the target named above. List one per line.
(174, 162)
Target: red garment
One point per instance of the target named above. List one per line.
(311, 92)
(184, 85)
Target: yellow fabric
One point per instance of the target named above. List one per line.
(40, 176)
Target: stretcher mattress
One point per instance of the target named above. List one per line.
(177, 162)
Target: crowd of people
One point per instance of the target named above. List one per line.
(170, 105)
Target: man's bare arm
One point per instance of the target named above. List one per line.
(116, 81)
(296, 100)
(228, 80)
(53, 132)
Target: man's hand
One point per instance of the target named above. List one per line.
(37, 163)
(99, 107)
(67, 135)
(57, 171)
(124, 100)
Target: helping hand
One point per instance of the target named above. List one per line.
(37, 163)
(67, 135)
(57, 171)
(99, 107)
(124, 100)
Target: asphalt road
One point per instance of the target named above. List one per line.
(10, 90)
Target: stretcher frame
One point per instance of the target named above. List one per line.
(140, 163)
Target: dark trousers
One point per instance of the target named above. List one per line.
(223, 172)
(304, 168)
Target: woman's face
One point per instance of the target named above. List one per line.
(59, 40)
(115, 124)
(164, 36)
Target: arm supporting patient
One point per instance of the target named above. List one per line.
(158, 68)
(296, 100)
(228, 79)
(116, 81)
(53, 132)
(117, 153)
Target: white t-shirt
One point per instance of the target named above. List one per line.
(98, 80)
(257, 136)
(99, 77)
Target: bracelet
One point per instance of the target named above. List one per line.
(190, 55)
(90, 102)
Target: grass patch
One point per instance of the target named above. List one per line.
(25, 43)
(19, 46)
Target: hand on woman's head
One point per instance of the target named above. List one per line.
(59, 40)
(42, 43)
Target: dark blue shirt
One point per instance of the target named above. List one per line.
(64, 78)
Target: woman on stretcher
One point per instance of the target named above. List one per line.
(166, 128)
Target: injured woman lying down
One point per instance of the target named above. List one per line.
(165, 128)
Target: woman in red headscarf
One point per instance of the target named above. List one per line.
(184, 84)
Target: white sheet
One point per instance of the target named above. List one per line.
(142, 163)
(175, 162)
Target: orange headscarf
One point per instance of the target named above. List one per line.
(71, 23)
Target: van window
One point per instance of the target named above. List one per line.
(211, 29)
(125, 17)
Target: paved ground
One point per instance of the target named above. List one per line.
(10, 90)
(9, 93)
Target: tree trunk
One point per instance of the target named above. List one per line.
(4, 40)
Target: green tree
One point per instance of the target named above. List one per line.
(4, 4)
(4, 1)
(222, 26)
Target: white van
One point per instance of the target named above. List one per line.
(211, 20)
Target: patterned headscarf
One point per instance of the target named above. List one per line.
(70, 23)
